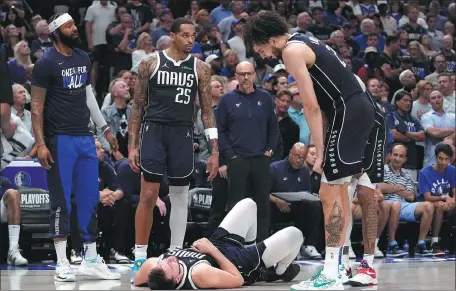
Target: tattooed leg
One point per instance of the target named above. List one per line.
(370, 218)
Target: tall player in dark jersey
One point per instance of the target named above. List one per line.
(167, 85)
(228, 259)
(327, 86)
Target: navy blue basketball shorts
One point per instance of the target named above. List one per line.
(75, 170)
(247, 260)
(166, 148)
(348, 132)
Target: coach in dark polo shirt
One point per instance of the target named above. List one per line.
(248, 133)
(291, 175)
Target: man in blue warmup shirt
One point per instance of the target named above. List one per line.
(62, 104)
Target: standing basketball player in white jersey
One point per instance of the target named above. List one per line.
(168, 82)
(327, 86)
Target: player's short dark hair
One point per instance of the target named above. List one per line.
(444, 148)
(264, 25)
(391, 39)
(158, 281)
(176, 25)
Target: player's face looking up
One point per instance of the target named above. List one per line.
(185, 38)
(68, 34)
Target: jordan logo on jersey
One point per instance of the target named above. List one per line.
(178, 79)
(74, 78)
(186, 254)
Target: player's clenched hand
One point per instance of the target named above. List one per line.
(44, 156)
(133, 159)
(212, 166)
(203, 246)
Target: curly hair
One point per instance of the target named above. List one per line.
(261, 27)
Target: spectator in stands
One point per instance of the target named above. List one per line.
(163, 43)
(12, 37)
(225, 25)
(125, 75)
(449, 53)
(437, 185)
(142, 15)
(437, 124)
(398, 186)
(421, 105)
(231, 85)
(448, 29)
(407, 79)
(451, 141)
(440, 66)
(434, 9)
(435, 34)
(290, 175)
(447, 89)
(98, 17)
(303, 22)
(406, 130)
(214, 45)
(319, 29)
(368, 27)
(412, 26)
(221, 12)
(113, 213)
(166, 18)
(18, 108)
(370, 69)
(143, 48)
(230, 61)
(296, 113)
(10, 212)
(194, 9)
(17, 67)
(426, 50)
(43, 43)
(420, 63)
(201, 24)
(336, 39)
(279, 83)
(236, 43)
(117, 116)
(365, 9)
(123, 40)
(388, 22)
(332, 14)
(288, 128)
(13, 18)
(383, 213)
(247, 139)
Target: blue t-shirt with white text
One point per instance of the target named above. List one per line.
(437, 183)
(65, 78)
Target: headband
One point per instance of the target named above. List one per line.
(61, 20)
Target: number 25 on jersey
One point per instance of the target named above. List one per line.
(183, 95)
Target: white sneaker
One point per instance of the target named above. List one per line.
(310, 252)
(118, 258)
(63, 271)
(320, 282)
(75, 258)
(97, 268)
(378, 253)
(345, 274)
(351, 253)
(15, 257)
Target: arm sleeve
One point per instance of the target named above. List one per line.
(95, 112)
(100, 135)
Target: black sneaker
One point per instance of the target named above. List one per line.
(395, 251)
(437, 250)
(422, 250)
(290, 273)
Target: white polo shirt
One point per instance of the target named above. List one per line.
(101, 17)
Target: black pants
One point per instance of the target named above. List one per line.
(218, 205)
(254, 172)
(307, 216)
(113, 222)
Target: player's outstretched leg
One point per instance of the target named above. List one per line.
(242, 221)
(178, 195)
(280, 251)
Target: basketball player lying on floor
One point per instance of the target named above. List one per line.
(229, 259)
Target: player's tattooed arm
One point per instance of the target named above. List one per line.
(205, 97)
(38, 97)
(145, 69)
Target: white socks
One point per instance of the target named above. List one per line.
(369, 259)
(178, 195)
(140, 252)
(332, 258)
(433, 239)
(60, 249)
(13, 231)
(90, 251)
(376, 242)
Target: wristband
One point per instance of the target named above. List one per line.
(211, 133)
(106, 129)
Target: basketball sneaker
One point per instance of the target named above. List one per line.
(290, 273)
(75, 258)
(310, 252)
(345, 274)
(437, 250)
(136, 266)
(422, 250)
(97, 268)
(365, 276)
(15, 257)
(394, 251)
(118, 258)
(320, 282)
(378, 254)
(63, 271)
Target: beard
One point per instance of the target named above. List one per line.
(69, 41)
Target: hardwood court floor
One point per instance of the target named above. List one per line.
(394, 274)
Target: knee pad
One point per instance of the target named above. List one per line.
(340, 181)
(179, 182)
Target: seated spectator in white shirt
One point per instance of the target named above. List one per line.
(437, 185)
(236, 43)
(383, 213)
(18, 108)
(399, 187)
(143, 47)
(447, 89)
(437, 124)
(291, 175)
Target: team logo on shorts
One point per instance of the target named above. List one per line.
(22, 179)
